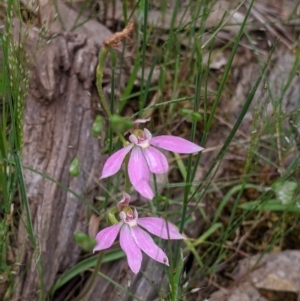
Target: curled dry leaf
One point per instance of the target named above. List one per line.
(94, 225)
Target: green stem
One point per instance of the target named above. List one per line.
(99, 73)
(93, 277)
(127, 182)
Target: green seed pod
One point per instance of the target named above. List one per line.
(84, 241)
(97, 126)
(74, 167)
(196, 117)
(191, 116)
(120, 124)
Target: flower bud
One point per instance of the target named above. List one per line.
(97, 126)
(191, 116)
(74, 167)
(84, 241)
(120, 124)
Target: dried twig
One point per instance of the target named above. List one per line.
(117, 37)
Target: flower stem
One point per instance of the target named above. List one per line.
(99, 74)
(93, 277)
(127, 182)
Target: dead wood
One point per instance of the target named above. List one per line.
(56, 129)
(145, 286)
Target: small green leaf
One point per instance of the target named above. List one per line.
(97, 127)
(84, 241)
(120, 124)
(271, 205)
(74, 167)
(84, 265)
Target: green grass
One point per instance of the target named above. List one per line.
(184, 82)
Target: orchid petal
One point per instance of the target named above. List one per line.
(106, 237)
(137, 121)
(147, 134)
(122, 216)
(139, 173)
(159, 227)
(146, 243)
(114, 162)
(131, 249)
(144, 189)
(157, 162)
(175, 144)
(124, 202)
(133, 139)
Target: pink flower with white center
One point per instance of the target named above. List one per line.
(134, 239)
(146, 159)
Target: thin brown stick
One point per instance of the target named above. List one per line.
(117, 37)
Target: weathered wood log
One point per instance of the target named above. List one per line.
(147, 285)
(57, 121)
(57, 128)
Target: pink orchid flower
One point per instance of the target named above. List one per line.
(146, 159)
(134, 239)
